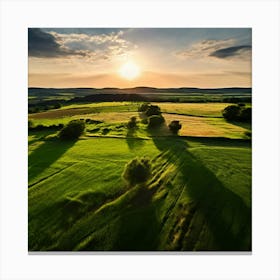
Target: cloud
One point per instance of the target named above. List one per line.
(44, 45)
(99, 39)
(216, 48)
(204, 48)
(100, 46)
(87, 46)
(231, 51)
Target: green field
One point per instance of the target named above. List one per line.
(197, 199)
(203, 119)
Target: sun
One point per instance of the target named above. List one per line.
(129, 70)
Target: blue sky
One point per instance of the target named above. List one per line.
(164, 57)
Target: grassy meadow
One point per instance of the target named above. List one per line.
(198, 197)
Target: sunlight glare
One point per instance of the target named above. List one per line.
(129, 70)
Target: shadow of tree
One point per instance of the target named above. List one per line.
(139, 226)
(129, 224)
(162, 130)
(142, 115)
(132, 141)
(224, 212)
(219, 141)
(246, 125)
(46, 154)
(39, 135)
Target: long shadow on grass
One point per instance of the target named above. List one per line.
(138, 224)
(46, 154)
(132, 142)
(219, 141)
(128, 223)
(39, 135)
(246, 125)
(225, 214)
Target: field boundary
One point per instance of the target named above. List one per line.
(192, 138)
(190, 115)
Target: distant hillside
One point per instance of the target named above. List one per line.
(50, 98)
(32, 91)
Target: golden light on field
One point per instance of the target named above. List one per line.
(129, 70)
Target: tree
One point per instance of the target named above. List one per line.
(143, 107)
(155, 121)
(132, 123)
(175, 126)
(246, 114)
(153, 110)
(231, 112)
(73, 130)
(137, 171)
(237, 113)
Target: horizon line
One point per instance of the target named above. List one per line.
(140, 87)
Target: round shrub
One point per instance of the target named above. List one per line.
(152, 110)
(155, 121)
(132, 123)
(246, 114)
(143, 107)
(175, 126)
(237, 113)
(105, 130)
(137, 171)
(231, 113)
(73, 130)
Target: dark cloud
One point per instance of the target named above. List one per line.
(231, 51)
(42, 44)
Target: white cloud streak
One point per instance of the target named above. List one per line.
(96, 47)
(208, 48)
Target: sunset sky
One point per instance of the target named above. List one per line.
(129, 57)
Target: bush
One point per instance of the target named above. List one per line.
(105, 130)
(132, 123)
(175, 126)
(90, 121)
(143, 107)
(137, 171)
(237, 113)
(245, 114)
(152, 110)
(73, 130)
(53, 126)
(155, 121)
(231, 113)
(94, 130)
(44, 127)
